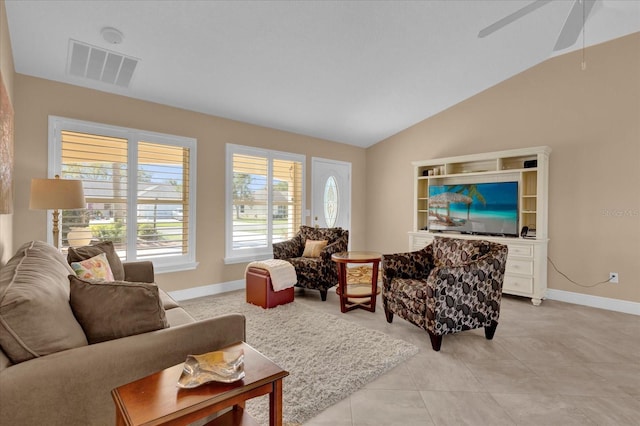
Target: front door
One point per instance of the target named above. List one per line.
(330, 193)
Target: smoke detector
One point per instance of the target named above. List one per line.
(112, 35)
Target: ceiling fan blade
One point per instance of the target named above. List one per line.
(512, 17)
(574, 24)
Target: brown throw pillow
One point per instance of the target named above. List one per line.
(35, 316)
(111, 310)
(79, 254)
(313, 248)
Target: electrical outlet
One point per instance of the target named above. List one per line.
(613, 277)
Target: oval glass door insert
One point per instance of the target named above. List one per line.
(331, 201)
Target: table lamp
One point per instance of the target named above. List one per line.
(54, 194)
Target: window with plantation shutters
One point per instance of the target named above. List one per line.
(265, 201)
(138, 188)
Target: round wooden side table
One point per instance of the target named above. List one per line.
(360, 295)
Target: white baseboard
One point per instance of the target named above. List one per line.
(594, 301)
(207, 290)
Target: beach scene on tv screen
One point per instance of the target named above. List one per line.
(480, 208)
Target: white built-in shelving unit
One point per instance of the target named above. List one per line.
(526, 271)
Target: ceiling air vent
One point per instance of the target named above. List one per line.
(99, 64)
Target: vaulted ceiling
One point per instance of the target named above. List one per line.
(354, 72)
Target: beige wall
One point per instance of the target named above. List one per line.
(7, 71)
(36, 99)
(591, 120)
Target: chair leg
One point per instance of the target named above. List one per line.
(388, 314)
(490, 330)
(323, 295)
(436, 341)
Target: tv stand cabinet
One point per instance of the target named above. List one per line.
(526, 270)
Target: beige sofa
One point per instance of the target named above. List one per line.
(51, 374)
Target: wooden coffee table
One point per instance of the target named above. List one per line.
(360, 295)
(157, 399)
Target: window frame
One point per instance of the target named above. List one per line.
(250, 254)
(162, 264)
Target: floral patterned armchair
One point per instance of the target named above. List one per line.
(319, 273)
(449, 286)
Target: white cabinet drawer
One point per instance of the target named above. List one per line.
(519, 266)
(419, 242)
(520, 250)
(517, 284)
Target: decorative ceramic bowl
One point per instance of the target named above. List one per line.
(219, 366)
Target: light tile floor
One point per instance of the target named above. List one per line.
(553, 364)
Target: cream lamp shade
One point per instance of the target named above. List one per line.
(56, 194)
(62, 194)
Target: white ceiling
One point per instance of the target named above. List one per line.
(354, 72)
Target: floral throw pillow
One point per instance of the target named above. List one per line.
(95, 268)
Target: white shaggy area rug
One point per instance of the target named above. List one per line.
(328, 358)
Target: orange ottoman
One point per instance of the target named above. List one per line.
(260, 290)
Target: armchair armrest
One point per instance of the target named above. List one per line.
(76, 384)
(141, 272)
(335, 247)
(288, 249)
(415, 264)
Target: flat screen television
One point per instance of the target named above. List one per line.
(478, 208)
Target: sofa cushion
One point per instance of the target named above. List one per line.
(95, 268)
(35, 316)
(111, 310)
(79, 254)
